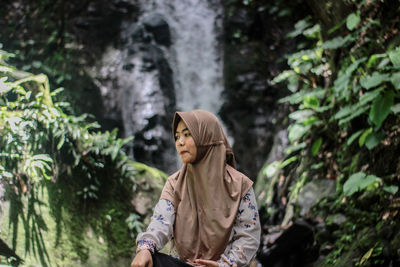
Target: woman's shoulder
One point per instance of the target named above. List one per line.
(174, 176)
(172, 179)
(234, 173)
(237, 175)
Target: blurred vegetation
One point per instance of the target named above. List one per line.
(62, 39)
(342, 82)
(344, 126)
(88, 177)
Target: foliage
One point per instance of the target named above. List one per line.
(344, 121)
(56, 38)
(84, 170)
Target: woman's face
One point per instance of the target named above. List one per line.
(184, 143)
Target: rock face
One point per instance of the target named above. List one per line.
(165, 59)
(137, 87)
(159, 28)
(254, 44)
(174, 56)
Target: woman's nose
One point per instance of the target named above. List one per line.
(181, 141)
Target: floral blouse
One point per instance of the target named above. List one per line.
(243, 242)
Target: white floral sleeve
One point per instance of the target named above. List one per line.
(245, 237)
(160, 229)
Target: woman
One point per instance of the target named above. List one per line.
(207, 207)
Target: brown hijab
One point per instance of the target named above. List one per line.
(207, 193)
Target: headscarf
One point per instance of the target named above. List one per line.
(206, 193)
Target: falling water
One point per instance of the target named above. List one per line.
(145, 78)
(195, 54)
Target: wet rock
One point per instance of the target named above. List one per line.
(159, 28)
(293, 246)
(140, 35)
(138, 90)
(313, 192)
(253, 47)
(149, 184)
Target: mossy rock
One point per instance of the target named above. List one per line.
(149, 182)
(98, 239)
(61, 253)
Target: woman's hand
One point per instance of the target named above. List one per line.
(142, 259)
(205, 263)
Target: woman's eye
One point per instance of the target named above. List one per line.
(176, 137)
(187, 134)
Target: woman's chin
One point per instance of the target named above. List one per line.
(186, 160)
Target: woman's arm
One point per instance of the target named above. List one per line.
(158, 233)
(246, 234)
(160, 229)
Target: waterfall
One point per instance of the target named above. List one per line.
(195, 52)
(167, 59)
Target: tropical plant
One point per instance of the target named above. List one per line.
(345, 101)
(43, 147)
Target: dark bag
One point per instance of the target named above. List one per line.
(164, 260)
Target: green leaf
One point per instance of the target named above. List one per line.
(351, 185)
(337, 42)
(288, 161)
(298, 97)
(373, 140)
(311, 102)
(358, 182)
(369, 181)
(294, 148)
(369, 96)
(383, 63)
(364, 136)
(343, 112)
(313, 120)
(354, 65)
(317, 166)
(357, 111)
(392, 189)
(301, 115)
(372, 61)
(43, 157)
(354, 137)
(324, 108)
(373, 80)
(396, 108)
(57, 91)
(395, 79)
(7, 174)
(367, 255)
(316, 146)
(283, 76)
(313, 32)
(299, 28)
(297, 131)
(352, 21)
(61, 142)
(350, 112)
(381, 108)
(272, 169)
(395, 57)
